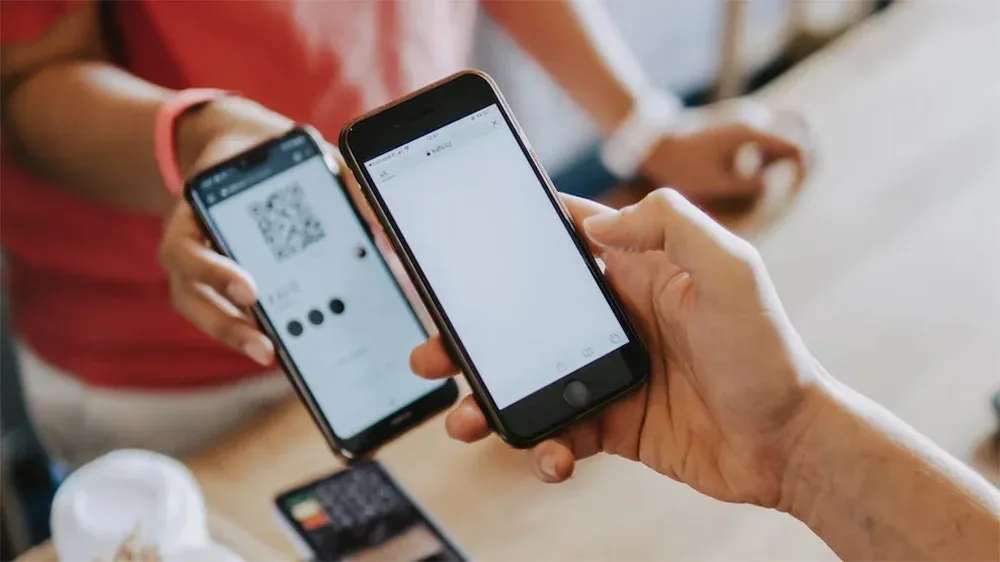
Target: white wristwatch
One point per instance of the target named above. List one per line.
(653, 115)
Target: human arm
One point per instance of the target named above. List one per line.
(87, 125)
(580, 50)
(73, 117)
(737, 408)
(874, 489)
(577, 44)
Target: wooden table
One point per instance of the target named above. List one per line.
(889, 265)
(222, 531)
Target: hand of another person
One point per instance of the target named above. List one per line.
(700, 158)
(207, 288)
(730, 388)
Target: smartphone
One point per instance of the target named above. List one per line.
(519, 299)
(342, 326)
(362, 514)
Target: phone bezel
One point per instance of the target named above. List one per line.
(368, 464)
(388, 428)
(542, 413)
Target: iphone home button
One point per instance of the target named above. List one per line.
(576, 394)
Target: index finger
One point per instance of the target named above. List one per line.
(581, 209)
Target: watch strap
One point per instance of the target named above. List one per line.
(628, 146)
(165, 131)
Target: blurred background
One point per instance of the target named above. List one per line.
(704, 51)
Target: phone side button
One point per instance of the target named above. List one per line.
(576, 394)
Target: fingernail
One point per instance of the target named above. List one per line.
(600, 224)
(259, 351)
(748, 160)
(240, 292)
(547, 464)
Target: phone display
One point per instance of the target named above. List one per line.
(508, 274)
(361, 514)
(342, 323)
(503, 267)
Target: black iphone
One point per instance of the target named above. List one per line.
(342, 327)
(521, 302)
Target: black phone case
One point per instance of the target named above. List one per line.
(453, 348)
(336, 444)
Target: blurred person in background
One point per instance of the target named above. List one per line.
(96, 281)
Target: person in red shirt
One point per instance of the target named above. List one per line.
(95, 280)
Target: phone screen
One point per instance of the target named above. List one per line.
(361, 515)
(504, 267)
(321, 282)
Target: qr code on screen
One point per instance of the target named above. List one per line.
(287, 222)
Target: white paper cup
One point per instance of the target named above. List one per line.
(128, 492)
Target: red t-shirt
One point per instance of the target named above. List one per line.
(86, 290)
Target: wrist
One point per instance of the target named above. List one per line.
(663, 160)
(222, 128)
(636, 136)
(811, 460)
(195, 130)
(614, 111)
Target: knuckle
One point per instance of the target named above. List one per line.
(177, 300)
(224, 329)
(206, 266)
(213, 322)
(660, 198)
(184, 302)
(204, 271)
(746, 251)
(663, 201)
(747, 263)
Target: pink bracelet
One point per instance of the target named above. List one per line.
(165, 132)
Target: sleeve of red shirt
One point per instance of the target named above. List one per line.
(24, 20)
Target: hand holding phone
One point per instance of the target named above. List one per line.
(521, 303)
(326, 297)
(732, 387)
(209, 289)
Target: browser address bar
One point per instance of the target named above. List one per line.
(435, 144)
